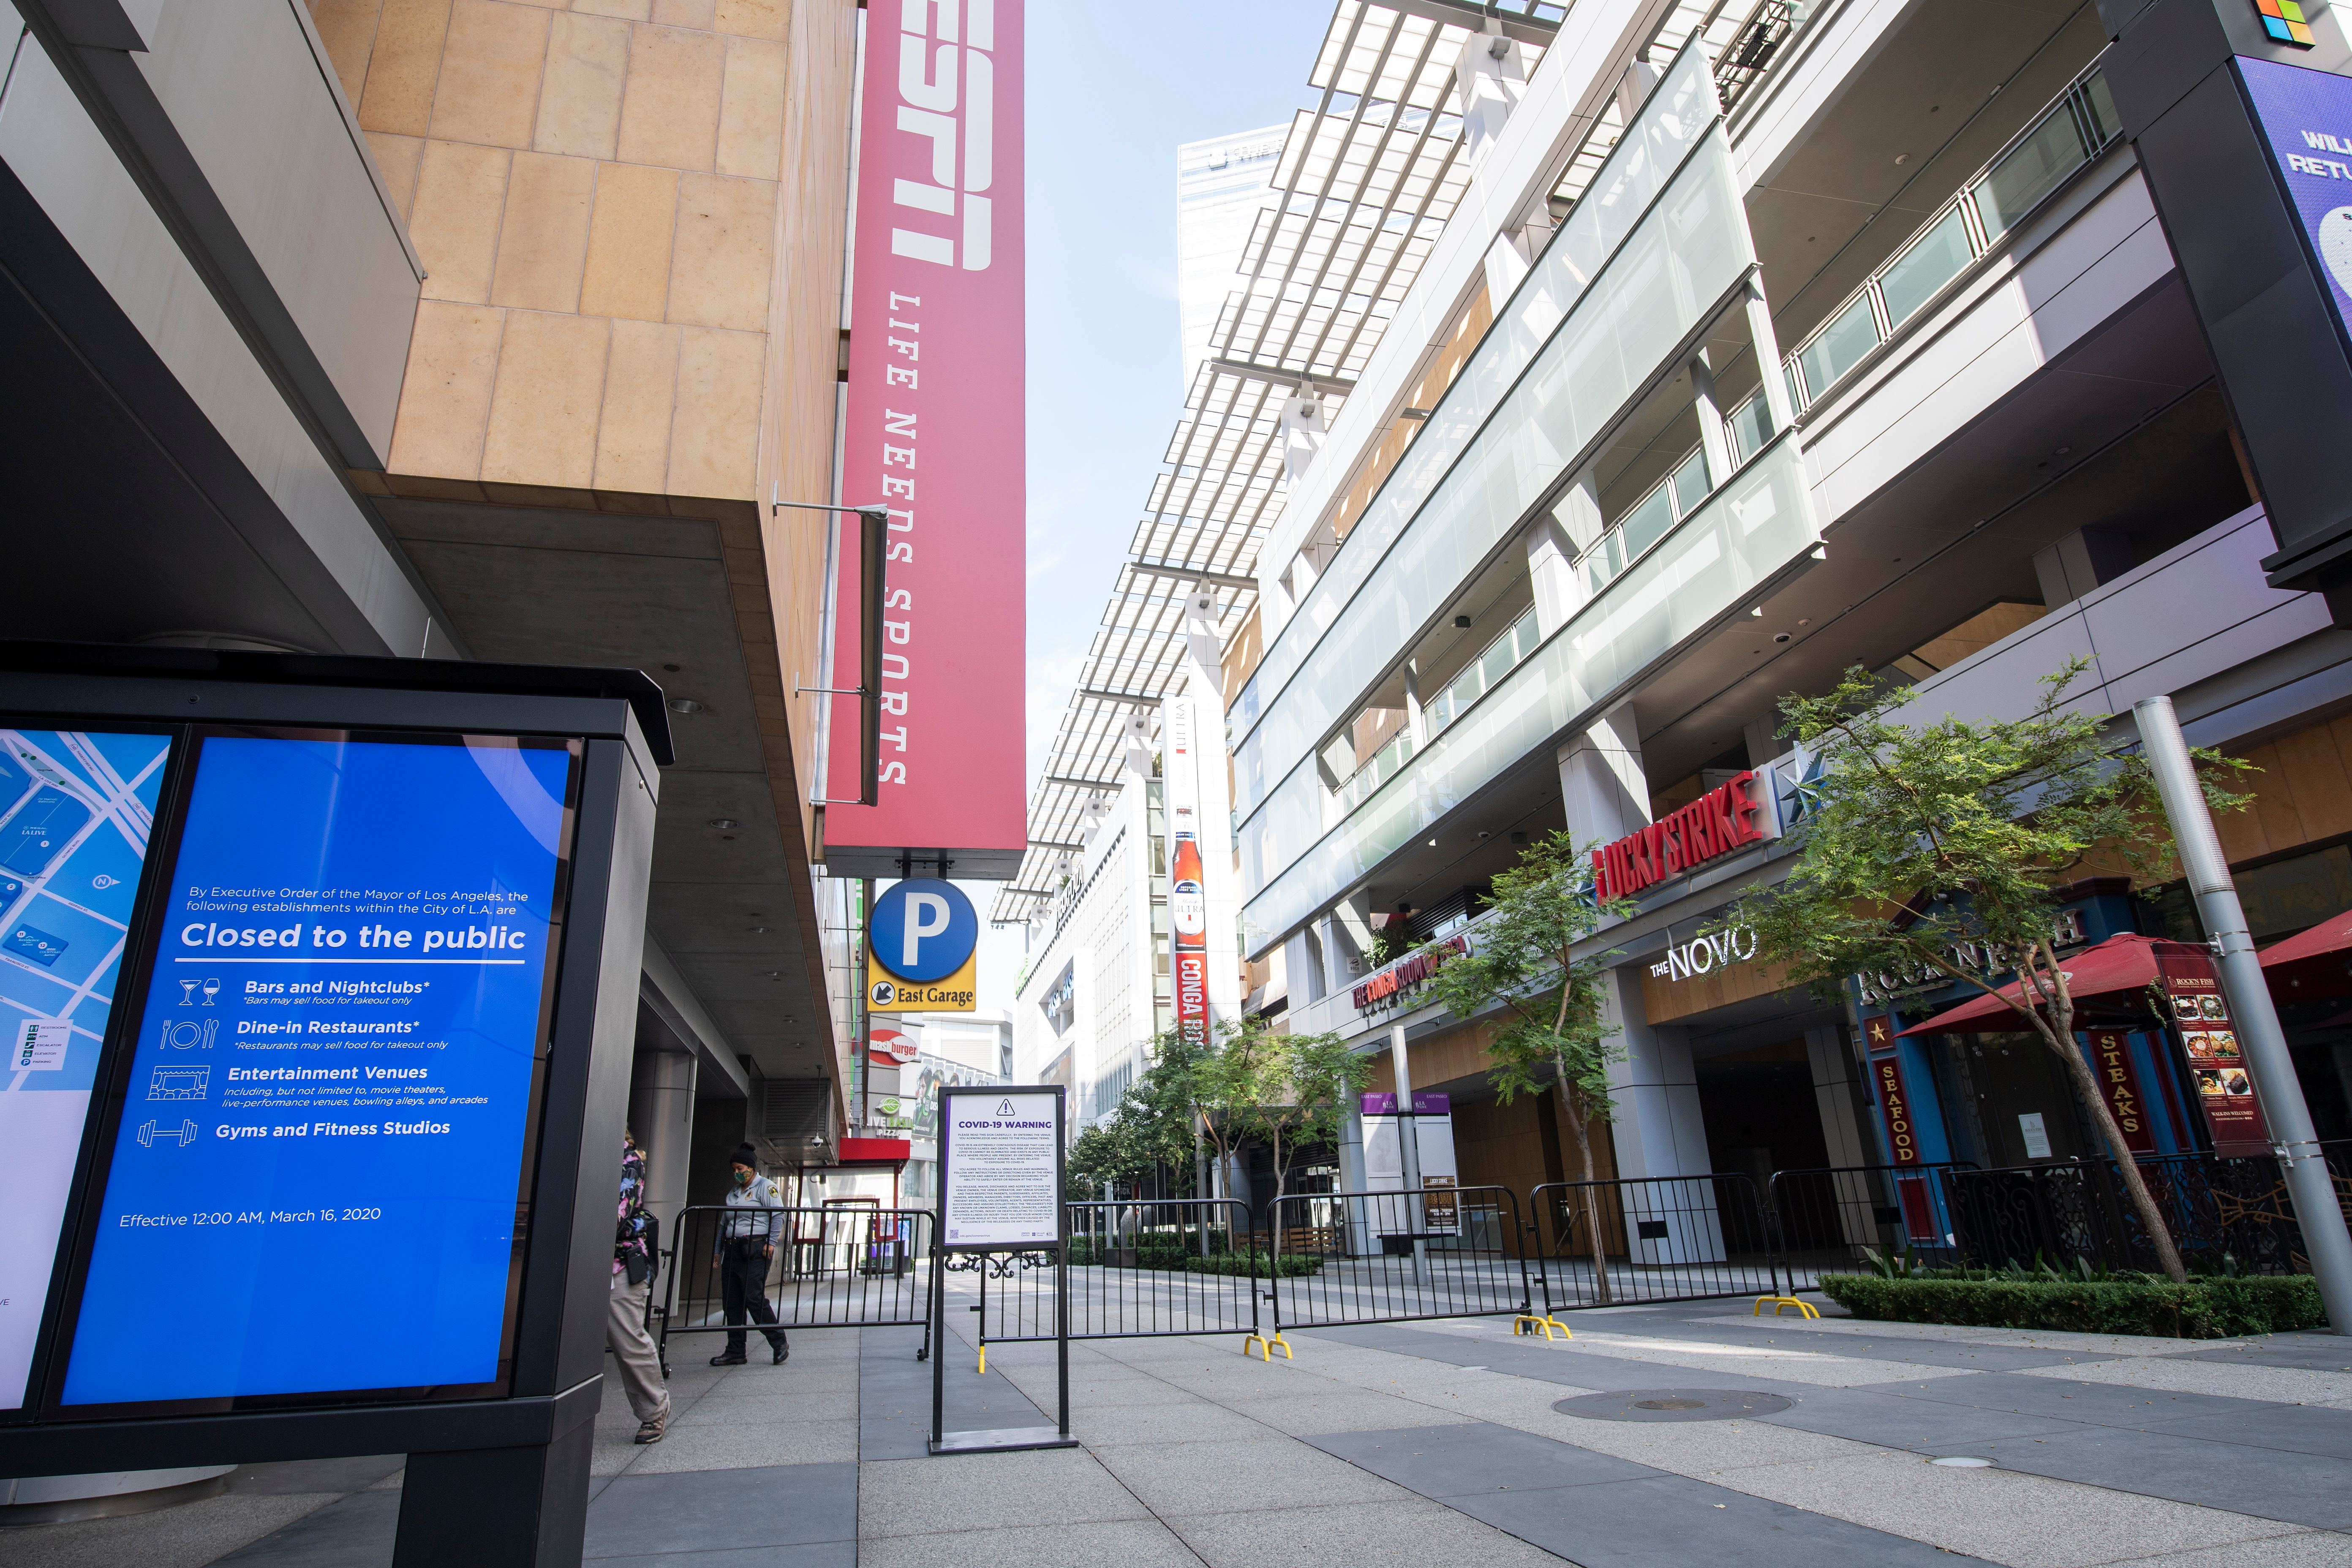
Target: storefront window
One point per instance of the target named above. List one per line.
(2281, 898)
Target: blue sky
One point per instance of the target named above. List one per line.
(1112, 93)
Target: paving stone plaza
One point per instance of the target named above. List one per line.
(1435, 1442)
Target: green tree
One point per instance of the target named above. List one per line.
(1552, 1026)
(1112, 1150)
(1924, 842)
(1297, 1092)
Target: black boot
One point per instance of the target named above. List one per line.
(783, 1352)
(730, 1358)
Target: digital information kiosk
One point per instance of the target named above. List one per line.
(319, 987)
(1000, 1174)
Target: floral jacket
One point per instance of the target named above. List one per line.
(631, 1229)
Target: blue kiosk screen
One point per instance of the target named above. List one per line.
(315, 1182)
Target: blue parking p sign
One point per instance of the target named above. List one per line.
(923, 930)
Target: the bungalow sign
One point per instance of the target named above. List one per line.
(1390, 987)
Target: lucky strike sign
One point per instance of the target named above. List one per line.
(1716, 824)
(934, 430)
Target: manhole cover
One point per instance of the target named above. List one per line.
(1672, 1405)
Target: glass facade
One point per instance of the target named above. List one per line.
(1750, 530)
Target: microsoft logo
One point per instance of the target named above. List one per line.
(2283, 21)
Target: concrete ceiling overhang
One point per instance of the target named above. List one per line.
(1945, 88)
(683, 598)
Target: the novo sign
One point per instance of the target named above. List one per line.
(934, 431)
(1407, 975)
(1714, 824)
(1704, 954)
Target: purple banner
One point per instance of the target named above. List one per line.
(1423, 1104)
(2307, 121)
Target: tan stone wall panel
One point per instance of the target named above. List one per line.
(404, 67)
(543, 239)
(627, 10)
(640, 385)
(489, 73)
(751, 115)
(753, 18)
(629, 239)
(714, 443)
(454, 223)
(579, 97)
(445, 396)
(348, 29)
(550, 387)
(725, 236)
(397, 159)
(670, 114)
(685, 13)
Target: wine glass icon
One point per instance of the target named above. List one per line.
(187, 993)
(212, 989)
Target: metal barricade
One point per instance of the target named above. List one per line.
(1657, 1239)
(835, 1267)
(1823, 1219)
(1391, 1257)
(1138, 1269)
(2226, 1215)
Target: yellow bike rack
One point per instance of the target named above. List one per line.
(1528, 1323)
(983, 1357)
(1781, 1304)
(1264, 1345)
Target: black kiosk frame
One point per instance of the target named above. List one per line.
(1006, 1439)
(498, 1480)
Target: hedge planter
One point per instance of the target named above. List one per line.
(2200, 1309)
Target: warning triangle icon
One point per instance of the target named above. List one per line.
(1004, 1108)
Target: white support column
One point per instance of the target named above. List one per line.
(1302, 962)
(1768, 358)
(1493, 73)
(1603, 788)
(1553, 544)
(1302, 432)
(1415, 722)
(1831, 1057)
(661, 1115)
(1711, 440)
(1659, 1133)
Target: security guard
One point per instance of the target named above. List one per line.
(747, 1242)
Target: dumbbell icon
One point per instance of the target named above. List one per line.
(184, 1134)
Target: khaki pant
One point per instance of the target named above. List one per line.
(625, 1332)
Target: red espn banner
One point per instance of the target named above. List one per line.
(935, 431)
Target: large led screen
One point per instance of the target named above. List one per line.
(76, 809)
(2305, 118)
(320, 1156)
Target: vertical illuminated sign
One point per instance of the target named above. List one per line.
(2217, 1065)
(2306, 120)
(76, 809)
(1188, 900)
(935, 430)
(323, 1129)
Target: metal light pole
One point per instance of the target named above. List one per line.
(2309, 1187)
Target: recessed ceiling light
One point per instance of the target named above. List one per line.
(673, 669)
(684, 705)
(724, 822)
(758, 930)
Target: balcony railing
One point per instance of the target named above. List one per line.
(1652, 518)
(1758, 42)
(2074, 132)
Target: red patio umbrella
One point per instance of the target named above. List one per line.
(2108, 983)
(2312, 965)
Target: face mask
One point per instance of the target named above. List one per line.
(742, 1177)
